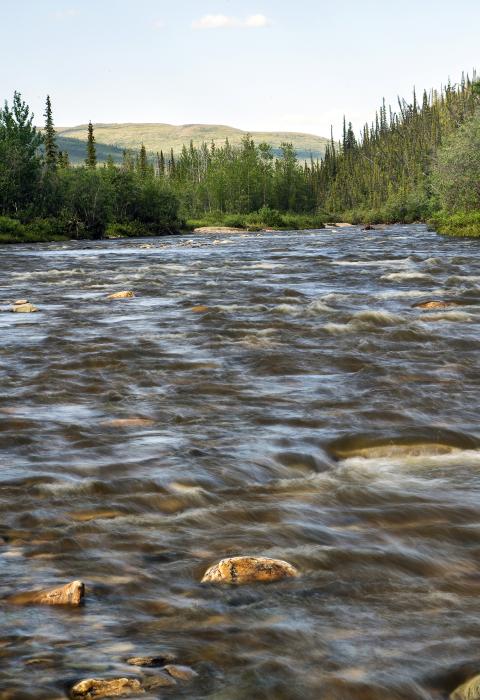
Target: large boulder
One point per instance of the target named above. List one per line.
(70, 594)
(468, 691)
(240, 570)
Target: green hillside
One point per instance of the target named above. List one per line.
(158, 137)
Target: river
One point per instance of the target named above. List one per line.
(293, 403)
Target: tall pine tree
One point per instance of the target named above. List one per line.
(91, 159)
(49, 138)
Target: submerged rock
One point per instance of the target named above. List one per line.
(24, 308)
(128, 422)
(151, 660)
(183, 673)
(468, 691)
(121, 295)
(70, 594)
(199, 309)
(434, 304)
(92, 688)
(240, 570)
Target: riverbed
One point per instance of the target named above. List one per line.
(274, 394)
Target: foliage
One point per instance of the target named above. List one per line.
(461, 224)
(456, 173)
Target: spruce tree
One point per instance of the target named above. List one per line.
(49, 138)
(91, 159)
(143, 161)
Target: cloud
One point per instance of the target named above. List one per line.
(224, 22)
(66, 13)
(158, 24)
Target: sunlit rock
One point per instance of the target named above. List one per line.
(20, 302)
(25, 308)
(468, 691)
(121, 295)
(434, 304)
(93, 688)
(70, 594)
(240, 570)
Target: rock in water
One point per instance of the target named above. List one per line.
(183, 673)
(434, 304)
(199, 309)
(468, 691)
(151, 660)
(121, 295)
(18, 302)
(93, 688)
(24, 308)
(241, 570)
(70, 594)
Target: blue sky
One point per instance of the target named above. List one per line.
(254, 64)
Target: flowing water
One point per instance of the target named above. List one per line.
(310, 412)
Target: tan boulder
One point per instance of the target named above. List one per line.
(240, 570)
(93, 688)
(199, 309)
(18, 302)
(434, 304)
(121, 295)
(24, 308)
(70, 594)
(468, 691)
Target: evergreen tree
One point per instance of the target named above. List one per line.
(91, 159)
(49, 138)
(143, 161)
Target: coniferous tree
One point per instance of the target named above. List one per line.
(143, 161)
(49, 138)
(91, 159)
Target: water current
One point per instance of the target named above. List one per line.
(293, 402)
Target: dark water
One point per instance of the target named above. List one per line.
(309, 350)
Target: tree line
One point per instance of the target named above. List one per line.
(417, 163)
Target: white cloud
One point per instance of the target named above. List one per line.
(67, 13)
(224, 22)
(158, 24)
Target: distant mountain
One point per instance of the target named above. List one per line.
(113, 138)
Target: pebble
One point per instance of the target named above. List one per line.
(93, 688)
(183, 673)
(151, 660)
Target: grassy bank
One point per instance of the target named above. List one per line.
(51, 230)
(264, 218)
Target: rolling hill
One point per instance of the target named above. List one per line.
(113, 138)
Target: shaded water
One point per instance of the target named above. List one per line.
(264, 409)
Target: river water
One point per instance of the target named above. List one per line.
(309, 413)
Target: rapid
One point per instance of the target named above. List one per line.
(274, 394)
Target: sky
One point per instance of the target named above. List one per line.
(272, 65)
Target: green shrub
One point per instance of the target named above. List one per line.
(466, 224)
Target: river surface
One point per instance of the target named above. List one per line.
(310, 412)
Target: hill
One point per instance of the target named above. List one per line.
(113, 138)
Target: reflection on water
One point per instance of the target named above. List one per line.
(308, 413)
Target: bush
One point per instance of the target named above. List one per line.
(466, 224)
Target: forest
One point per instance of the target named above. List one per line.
(418, 163)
